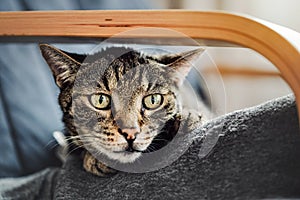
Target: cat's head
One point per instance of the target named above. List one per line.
(120, 102)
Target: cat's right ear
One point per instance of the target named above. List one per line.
(63, 65)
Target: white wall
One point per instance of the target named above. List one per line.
(200, 4)
(248, 91)
(283, 12)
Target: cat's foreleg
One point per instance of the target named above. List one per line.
(193, 119)
(92, 165)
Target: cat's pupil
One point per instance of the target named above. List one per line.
(101, 99)
(153, 99)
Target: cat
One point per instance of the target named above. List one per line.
(121, 102)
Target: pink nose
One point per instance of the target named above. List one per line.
(130, 133)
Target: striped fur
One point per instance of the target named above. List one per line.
(127, 77)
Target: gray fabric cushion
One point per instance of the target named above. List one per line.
(256, 156)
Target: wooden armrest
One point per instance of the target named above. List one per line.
(278, 44)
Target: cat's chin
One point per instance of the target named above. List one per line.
(121, 156)
(124, 156)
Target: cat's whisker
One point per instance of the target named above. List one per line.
(147, 150)
(150, 148)
(77, 137)
(147, 138)
(81, 138)
(74, 143)
(155, 146)
(76, 148)
(159, 140)
(71, 137)
(53, 144)
(93, 136)
(70, 152)
(138, 161)
(98, 152)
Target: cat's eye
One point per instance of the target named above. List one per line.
(100, 101)
(152, 101)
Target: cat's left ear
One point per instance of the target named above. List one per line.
(63, 65)
(181, 63)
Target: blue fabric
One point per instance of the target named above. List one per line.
(29, 112)
(8, 154)
(28, 92)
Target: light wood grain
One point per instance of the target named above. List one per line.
(278, 44)
(241, 71)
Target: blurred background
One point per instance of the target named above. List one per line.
(282, 12)
(249, 79)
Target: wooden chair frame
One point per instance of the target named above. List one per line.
(278, 44)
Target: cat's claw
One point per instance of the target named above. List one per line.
(193, 119)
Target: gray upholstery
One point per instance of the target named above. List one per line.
(256, 156)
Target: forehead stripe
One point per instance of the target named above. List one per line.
(105, 83)
(116, 69)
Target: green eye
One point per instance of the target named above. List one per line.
(152, 101)
(100, 101)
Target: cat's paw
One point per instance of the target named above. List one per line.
(92, 165)
(193, 119)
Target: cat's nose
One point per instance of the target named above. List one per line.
(130, 133)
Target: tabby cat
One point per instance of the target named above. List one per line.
(120, 102)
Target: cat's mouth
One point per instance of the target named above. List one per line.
(129, 150)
